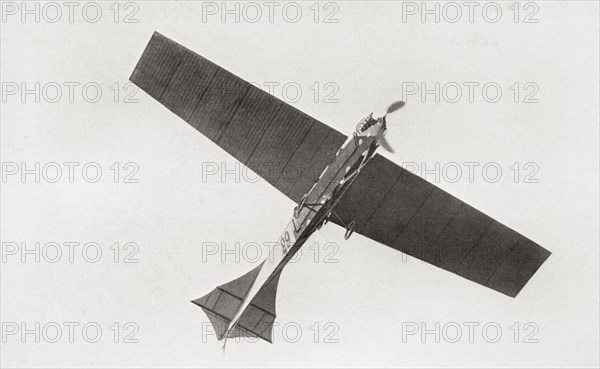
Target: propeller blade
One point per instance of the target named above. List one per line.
(395, 106)
(383, 142)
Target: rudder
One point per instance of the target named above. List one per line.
(222, 303)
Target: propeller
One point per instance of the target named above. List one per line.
(381, 139)
(386, 145)
(394, 106)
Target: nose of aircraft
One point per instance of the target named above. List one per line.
(383, 122)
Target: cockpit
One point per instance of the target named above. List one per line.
(366, 123)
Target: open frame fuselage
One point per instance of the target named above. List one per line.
(317, 206)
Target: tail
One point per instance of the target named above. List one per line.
(222, 304)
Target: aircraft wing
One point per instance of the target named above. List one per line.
(399, 209)
(286, 147)
(289, 149)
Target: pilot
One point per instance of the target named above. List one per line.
(368, 122)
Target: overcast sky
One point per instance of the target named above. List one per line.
(519, 86)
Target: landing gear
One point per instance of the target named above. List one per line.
(349, 226)
(349, 230)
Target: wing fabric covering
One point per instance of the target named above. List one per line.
(289, 150)
(284, 146)
(399, 209)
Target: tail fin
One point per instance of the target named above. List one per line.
(222, 304)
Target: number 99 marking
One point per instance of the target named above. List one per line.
(285, 242)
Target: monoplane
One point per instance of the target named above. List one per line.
(331, 178)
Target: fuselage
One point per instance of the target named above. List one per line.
(319, 203)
